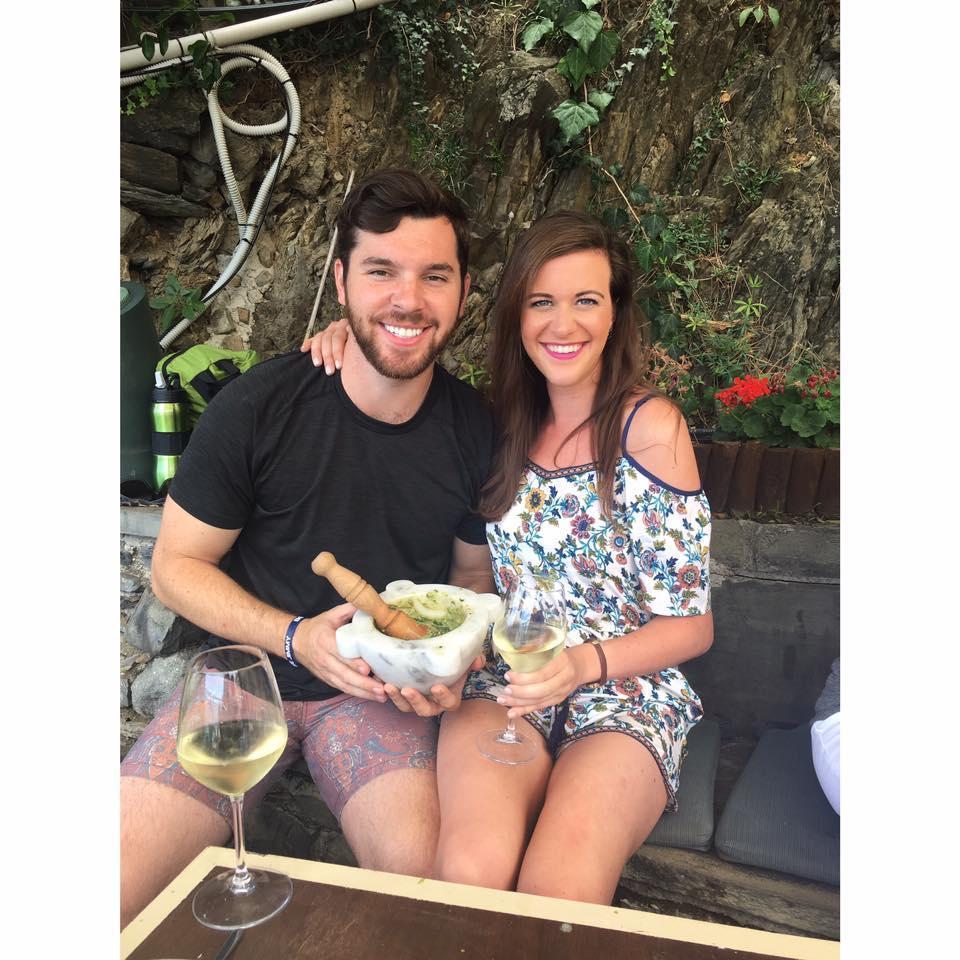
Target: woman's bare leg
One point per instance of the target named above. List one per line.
(487, 809)
(605, 795)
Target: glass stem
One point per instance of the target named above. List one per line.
(510, 734)
(241, 881)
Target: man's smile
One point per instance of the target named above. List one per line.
(404, 333)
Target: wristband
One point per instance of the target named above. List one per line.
(603, 661)
(288, 642)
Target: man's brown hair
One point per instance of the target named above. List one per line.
(382, 199)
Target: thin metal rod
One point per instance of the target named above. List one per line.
(326, 268)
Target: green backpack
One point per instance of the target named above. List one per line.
(203, 372)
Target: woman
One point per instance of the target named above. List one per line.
(596, 482)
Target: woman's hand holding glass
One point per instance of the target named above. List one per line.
(529, 634)
(550, 685)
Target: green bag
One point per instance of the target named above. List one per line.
(203, 372)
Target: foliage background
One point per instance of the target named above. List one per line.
(715, 152)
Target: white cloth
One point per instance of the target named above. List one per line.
(825, 742)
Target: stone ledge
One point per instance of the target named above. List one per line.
(801, 553)
(142, 521)
(793, 553)
(745, 896)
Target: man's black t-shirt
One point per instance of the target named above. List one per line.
(284, 455)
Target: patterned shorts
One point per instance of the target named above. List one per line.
(659, 710)
(347, 742)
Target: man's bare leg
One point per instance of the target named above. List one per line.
(392, 822)
(161, 831)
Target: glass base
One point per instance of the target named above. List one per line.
(501, 746)
(216, 905)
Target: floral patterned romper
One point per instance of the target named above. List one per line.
(651, 559)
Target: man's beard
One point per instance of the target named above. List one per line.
(389, 364)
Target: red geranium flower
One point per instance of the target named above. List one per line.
(744, 390)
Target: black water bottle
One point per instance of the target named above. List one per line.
(170, 431)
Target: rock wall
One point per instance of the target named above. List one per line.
(487, 133)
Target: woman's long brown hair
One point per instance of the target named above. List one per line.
(520, 399)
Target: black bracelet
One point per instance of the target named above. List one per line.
(288, 641)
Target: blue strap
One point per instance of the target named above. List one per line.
(288, 642)
(626, 426)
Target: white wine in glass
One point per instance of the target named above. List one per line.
(231, 732)
(530, 631)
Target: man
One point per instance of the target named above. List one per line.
(382, 465)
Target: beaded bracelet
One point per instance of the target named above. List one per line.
(288, 641)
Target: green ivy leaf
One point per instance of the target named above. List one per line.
(583, 27)
(668, 324)
(615, 217)
(164, 39)
(758, 13)
(667, 242)
(600, 100)
(638, 193)
(147, 45)
(574, 117)
(774, 15)
(653, 225)
(644, 254)
(535, 32)
(744, 14)
(602, 49)
(589, 4)
(575, 66)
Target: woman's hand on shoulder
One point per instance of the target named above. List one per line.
(658, 439)
(327, 347)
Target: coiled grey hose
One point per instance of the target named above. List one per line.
(244, 56)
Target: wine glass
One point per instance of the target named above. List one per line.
(231, 732)
(530, 631)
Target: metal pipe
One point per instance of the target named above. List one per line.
(326, 268)
(133, 59)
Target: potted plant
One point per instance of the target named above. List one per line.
(786, 422)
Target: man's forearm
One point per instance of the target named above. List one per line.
(206, 596)
(479, 581)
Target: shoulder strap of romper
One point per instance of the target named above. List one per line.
(626, 426)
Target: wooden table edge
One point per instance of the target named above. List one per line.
(478, 898)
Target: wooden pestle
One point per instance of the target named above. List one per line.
(354, 589)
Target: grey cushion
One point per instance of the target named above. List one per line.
(691, 825)
(777, 816)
